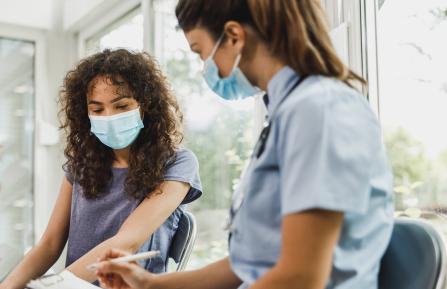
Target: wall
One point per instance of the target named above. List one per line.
(56, 54)
(24, 13)
(75, 10)
(78, 14)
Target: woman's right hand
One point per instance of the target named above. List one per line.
(124, 275)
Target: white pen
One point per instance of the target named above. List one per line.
(131, 258)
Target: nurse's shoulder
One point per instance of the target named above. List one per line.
(327, 142)
(323, 103)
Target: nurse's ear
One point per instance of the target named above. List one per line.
(235, 36)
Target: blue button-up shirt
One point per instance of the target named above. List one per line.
(324, 151)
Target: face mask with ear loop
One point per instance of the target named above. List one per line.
(233, 87)
(117, 131)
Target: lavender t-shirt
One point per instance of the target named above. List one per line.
(94, 221)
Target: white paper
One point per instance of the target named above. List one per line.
(64, 280)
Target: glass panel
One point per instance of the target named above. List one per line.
(220, 133)
(126, 32)
(16, 150)
(334, 12)
(413, 101)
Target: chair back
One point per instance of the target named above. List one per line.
(183, 241)
(415, 257)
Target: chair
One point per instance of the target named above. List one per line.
(183, 241)
(415, 258)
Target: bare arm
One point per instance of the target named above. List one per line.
(217, 275)
(309, 239)
(137, 228)
(50, 246)
(125, 276)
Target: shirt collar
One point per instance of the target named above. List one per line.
(278, 87)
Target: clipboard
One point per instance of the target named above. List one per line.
(63, 280)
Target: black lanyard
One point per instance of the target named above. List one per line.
(260, 144)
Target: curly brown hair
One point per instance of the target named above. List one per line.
(88, 160)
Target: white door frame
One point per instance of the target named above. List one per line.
(40, 178)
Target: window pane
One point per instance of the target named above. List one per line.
(126, 32)
(219, 132)
(16, 150)
(413, 100)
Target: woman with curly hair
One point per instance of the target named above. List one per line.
(126, 177)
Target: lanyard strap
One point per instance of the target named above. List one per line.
(260, 144)
(289, 92)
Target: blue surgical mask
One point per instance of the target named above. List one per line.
(117, 131)
(233, 87)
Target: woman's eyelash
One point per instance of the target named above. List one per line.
(123, 106)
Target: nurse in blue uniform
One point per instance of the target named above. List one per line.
(314, 208)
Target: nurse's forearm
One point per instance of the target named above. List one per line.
(79, 267)
(285, 279)
(309, 264)
(217, 275)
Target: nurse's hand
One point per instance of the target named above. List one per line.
(123, 275)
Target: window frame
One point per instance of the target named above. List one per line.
(368, 12)
(360, 17)
(41, 185)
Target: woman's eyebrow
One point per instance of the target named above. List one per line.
(94, 102)
(119, 98)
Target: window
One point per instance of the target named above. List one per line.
(126, 32)
(220, 133)
(412, 61)
(344, 21)
(16, 150)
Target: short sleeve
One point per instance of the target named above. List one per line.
(68, 174)
(326, 146)
(185, 168)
